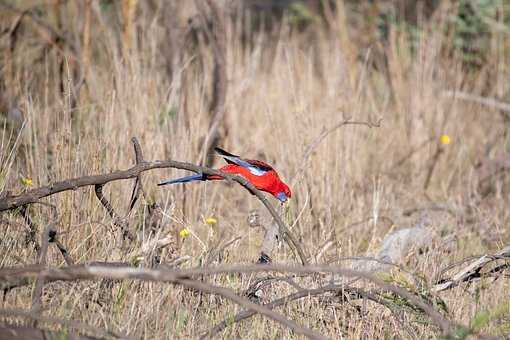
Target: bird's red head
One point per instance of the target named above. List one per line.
(283, 194)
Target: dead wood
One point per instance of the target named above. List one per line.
(183, 277)
(87, 272)
(229, 294)
(271, 235)
(472, 271)
(432, 167)
(117, 220)
(34, 195)
(65, 254)
(347, 292)
(493, 103)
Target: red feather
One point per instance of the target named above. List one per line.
(269, 182)
(266, 179)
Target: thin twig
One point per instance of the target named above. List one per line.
(65, 254)
(411, 153)
(117, 221)
(434, 207)
(262, 282)
(316, 142)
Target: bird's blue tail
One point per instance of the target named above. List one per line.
(197, 177)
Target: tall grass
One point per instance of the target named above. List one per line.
(284, 91)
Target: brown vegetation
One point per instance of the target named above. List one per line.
(389, 120)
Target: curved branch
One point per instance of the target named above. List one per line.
(315, 143)
(170, 276)
(174, 276)
(256, 308)
(34, 195)
(117, 220)
(470, 271)
(352, 291)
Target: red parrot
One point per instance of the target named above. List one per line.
(258, 173)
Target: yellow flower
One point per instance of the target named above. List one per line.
(211, 221)
(444, 139)
(135, 260)
(184, 233)
(26, 181)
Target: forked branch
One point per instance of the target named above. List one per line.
(159, 275)
(34, 195)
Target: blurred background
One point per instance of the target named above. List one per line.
(271, 80)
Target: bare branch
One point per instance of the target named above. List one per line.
(470, 271)
(34, 195)
(171, 276)
(229, 294)
(65, 254)
(316, 142)
(353, 293)
(119, 223)
(176, 276)
(411, 153)
(432, 166)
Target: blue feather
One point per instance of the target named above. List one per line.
(197, 177)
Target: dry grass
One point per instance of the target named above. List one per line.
(275, 110)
